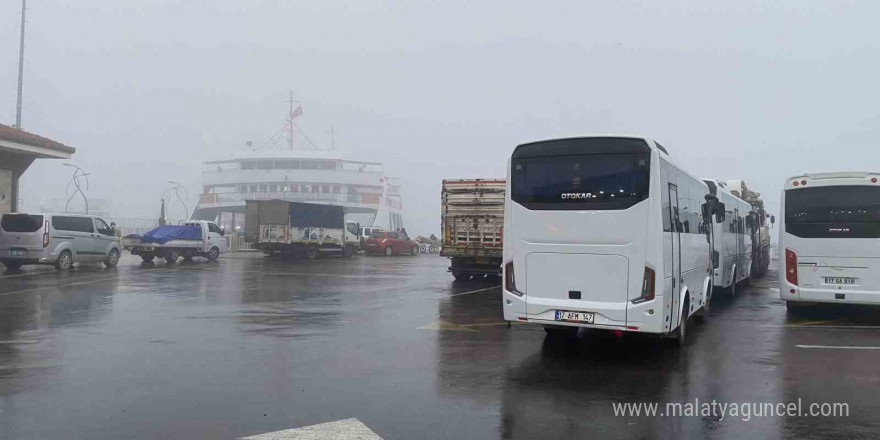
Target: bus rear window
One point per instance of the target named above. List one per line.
(581, 182)
(21, 223)
(833, 212)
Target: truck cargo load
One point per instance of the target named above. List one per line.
(299, 228)
(472, 222)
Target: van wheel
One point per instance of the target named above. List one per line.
(13, 265)
(414, 251)
(147, 257)
(214, 253)
(65, 260)
(188, 255)
(112, 258)
(388, 251)
(171, 257)
(347, 251)
(311, 252)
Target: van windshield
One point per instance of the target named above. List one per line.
(833, 212)
(588, 181)
(21, 223)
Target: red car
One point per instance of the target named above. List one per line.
(390, 243)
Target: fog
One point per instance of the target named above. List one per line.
(147, 91)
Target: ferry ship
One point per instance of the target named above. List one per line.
(368, 195)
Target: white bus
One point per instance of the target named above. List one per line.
(829, 242)
(732, 239)
(605, 233)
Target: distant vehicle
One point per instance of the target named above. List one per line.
(197, 238)
(829, 242)
(366, 232)
(300, 229)
(390, 243)
(760, 231)
(606, 233)
(57, 239)
(472, 220)
(732, 239)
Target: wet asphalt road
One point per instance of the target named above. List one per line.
(251, 344)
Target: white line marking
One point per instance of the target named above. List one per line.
(474, 291)
(830, 327)
(348, 429)
(833, 347)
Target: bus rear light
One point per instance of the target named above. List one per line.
(873, 180)
(510, 279)
(803, 182)
(795, 183)
(648, 285)
(791, 263)
(46, 233)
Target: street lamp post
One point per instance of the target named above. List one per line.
(183, 200)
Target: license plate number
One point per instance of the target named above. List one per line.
(585, 317)
(17, 253)
(846, 281)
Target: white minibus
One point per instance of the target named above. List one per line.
(604, 232)
(732, 239)
(829, 242)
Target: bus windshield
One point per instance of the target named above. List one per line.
(582, 182)
(833, 212)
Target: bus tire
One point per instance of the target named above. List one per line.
(703, 315)
(347, 251)
(681, 331)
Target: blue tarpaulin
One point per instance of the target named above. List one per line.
(164, 234)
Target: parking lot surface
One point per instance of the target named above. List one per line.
(251, 344)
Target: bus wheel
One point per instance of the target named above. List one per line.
(461, 276)
(681, 333)
(347, 251)
(704, 312)
(732, 289)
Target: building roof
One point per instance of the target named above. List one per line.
(11, 134)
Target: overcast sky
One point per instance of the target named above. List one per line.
(147, 90)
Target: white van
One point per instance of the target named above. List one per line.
(57, 239)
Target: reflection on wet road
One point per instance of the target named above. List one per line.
(251, 344)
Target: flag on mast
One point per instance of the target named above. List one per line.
(298, 111)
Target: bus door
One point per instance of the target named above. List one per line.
(676, 226)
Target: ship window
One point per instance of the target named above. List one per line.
(314, 188)
(248, 164)
(262, 188)
(309, 165)
(264, 165)
(287, 164)
(325, 189)
(273, 188)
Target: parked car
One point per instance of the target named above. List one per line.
(57, 239)
(389, 243)
(366, 232)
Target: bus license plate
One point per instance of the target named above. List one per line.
(18, 253)
(585, 317)
(846, 281)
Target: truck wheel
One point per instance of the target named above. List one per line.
(188, 255)
(388, 251)
(147, 257)
(311, 252)
(171, 256)
(347, 251)
(414, 251)
(65, 261)
(112, 258)
(214, 253)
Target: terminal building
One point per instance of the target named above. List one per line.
(18, 150)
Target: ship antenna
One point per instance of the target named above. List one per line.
(290, 121)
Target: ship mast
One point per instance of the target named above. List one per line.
(290, 121)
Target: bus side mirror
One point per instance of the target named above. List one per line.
(720, 210)
(707, 211)
(772, 219)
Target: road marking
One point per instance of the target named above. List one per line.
(348, 429)
(474, 291)
(444, 326)
(837, 347)
(832, 327)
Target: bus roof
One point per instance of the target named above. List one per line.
(568, 146)
(833, 178)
